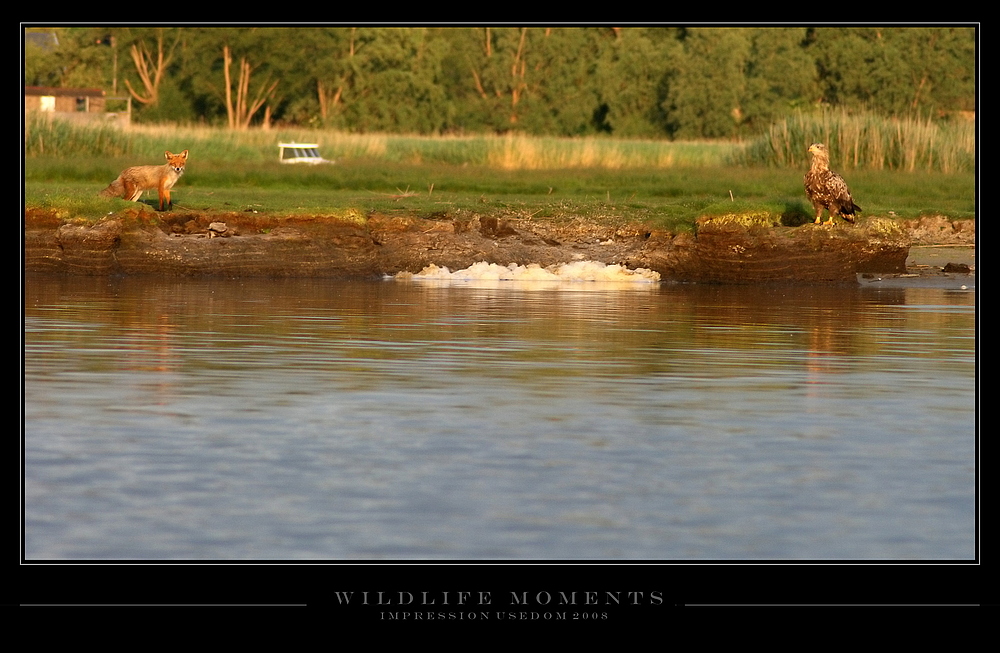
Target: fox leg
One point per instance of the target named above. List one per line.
(165, 198)
(132, 192)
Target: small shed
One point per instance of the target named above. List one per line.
(77, 104)
(63, 100)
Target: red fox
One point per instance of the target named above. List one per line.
(133, 181)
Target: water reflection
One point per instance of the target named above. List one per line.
(330, 419)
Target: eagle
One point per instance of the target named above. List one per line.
(826, 189)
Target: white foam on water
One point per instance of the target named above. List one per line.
(564, 272)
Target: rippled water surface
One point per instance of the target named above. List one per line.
(321, 419)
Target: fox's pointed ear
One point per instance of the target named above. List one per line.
(167, 154)
(184, 154)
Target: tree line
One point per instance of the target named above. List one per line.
(645, 81)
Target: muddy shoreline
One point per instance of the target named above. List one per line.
(731, 249)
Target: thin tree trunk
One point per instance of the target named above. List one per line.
(150, 74)
(226, 60)
(240, 115)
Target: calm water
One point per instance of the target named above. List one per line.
(320, 419)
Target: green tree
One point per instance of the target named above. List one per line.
(496, 68)
(378, 79)
(69, 57)
(41, 58)
(705, 93)
(532, 79)
(937, 68)
(780, 76)
(235, 75)
(897, 69)
(563, 96)
(631, 79)
(706, 82)
(395, 83)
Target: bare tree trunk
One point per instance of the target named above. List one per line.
(500, 87)
(240, 115)
(226, 60)
(479, 84)
(149, 72)
(517, 70)
(327, 100)
(323, 100)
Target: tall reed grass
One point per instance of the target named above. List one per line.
(45, 136)
(866, 140)
(507, 152)
(519, 152)
(860, 140)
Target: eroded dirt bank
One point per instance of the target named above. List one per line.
(722, 250)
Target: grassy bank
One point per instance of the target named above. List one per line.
(856, 141)
(664, 183)
(47, 138)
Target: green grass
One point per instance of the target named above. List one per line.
(671, 198)
(663, 184)
(44, 137)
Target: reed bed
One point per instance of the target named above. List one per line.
(856, 140)
(518, 152)
(505, 152)
(866, 140)
(44, 136)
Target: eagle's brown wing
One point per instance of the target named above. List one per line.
(828, 190)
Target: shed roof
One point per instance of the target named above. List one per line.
(60, 91)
